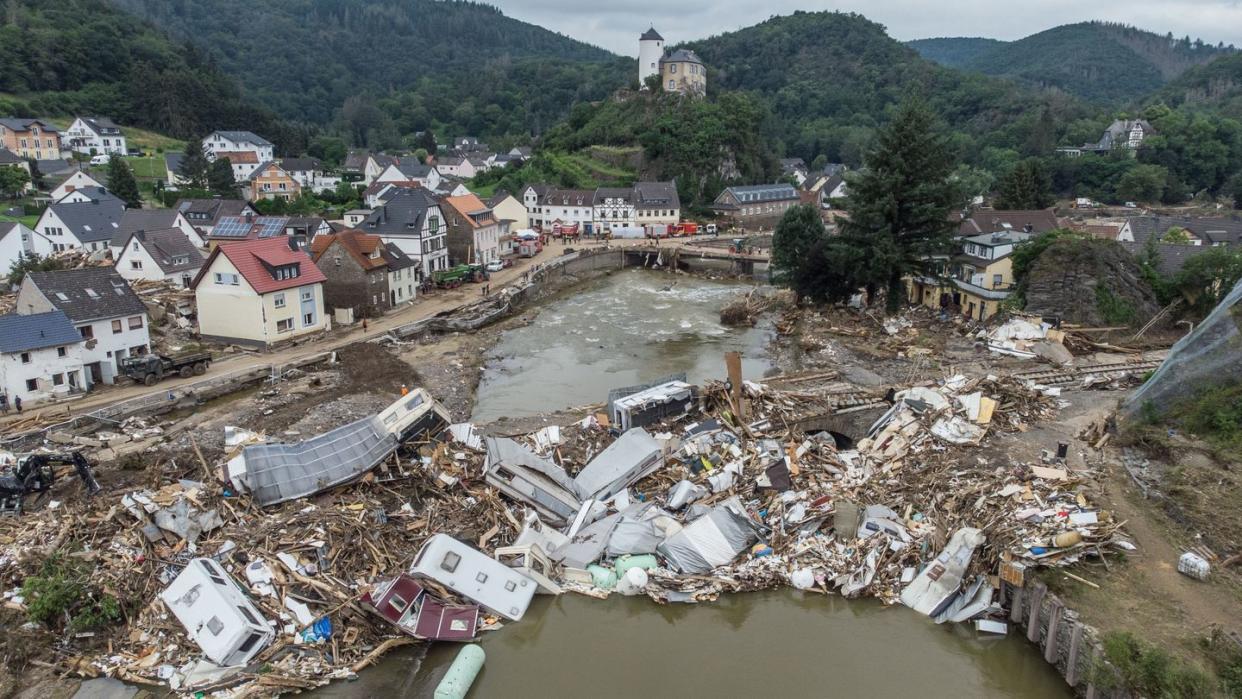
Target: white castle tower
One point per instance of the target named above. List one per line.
(650, 51)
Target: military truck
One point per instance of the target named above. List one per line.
(151, 368)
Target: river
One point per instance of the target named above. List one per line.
(625, 329)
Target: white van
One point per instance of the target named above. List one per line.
(101, 159)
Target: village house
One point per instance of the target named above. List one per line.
(110, 318)
(135, 220)
(271, 181)
(1123, 134)
(40, 357)
(410, 170)
(88, 225)
(374, 165)
(77, 180)
(301, 230)
(982, 221)
(612, 207)
(506, 207)
(979, 278)
(10, 159)
(756, 204)
(18, 241)
(355, 164)
(364, 274)
(457, 166)
(354, 217)
(204, 214)
(309, 173)
(565, 207)
(532, 199)
(95, 136)
(1182, 230)
(159, 255)
(172, 170)
(656, 203)
(473, 231)
(259, 293)
(30, 138)
(243, 162)
(87, 195)
(795, 168)
(379, 192)
(233, 141)
(413, 220)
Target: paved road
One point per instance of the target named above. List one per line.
(424, 307)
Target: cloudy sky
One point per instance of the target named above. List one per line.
(616, 24)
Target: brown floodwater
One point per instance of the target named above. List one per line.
(779, 643)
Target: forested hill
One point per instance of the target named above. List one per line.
(460, 63)
(828, 79)
(954, 52)
(1215, 87)
(1094, 60)
(83, 56)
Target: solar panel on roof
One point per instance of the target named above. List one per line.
(232, 227)
(270, 227)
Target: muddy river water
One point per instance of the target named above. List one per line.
(625, 329)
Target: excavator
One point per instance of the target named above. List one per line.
(35, 473)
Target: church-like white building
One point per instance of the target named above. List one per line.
(679, 71)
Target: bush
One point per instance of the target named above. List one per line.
(61, 594)
(1114, 310)
(1145, 670)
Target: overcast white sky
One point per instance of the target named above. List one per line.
(616, 24)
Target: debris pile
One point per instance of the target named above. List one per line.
(444, 532)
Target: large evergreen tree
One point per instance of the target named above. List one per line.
(122, 184)
(193, 168)
(798, 232)
(220, 178)
(898, 206)
(1026, 186)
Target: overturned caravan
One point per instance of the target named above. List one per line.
(280, 471)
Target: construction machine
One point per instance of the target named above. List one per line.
(35, 473)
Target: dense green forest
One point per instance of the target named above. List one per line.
(1214, 88)
(1094, 60)
(829, 78)
(83, 56)
(954, 52)
(400, 66)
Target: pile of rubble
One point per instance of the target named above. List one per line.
(400, 527)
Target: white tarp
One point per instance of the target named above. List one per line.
(641, 529)
(710, 541)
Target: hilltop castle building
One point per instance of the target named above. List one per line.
(680, 70)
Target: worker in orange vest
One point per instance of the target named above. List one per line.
(404, 391)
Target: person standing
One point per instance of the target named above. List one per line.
(17, 403)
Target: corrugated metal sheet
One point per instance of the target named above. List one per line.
(279, 472)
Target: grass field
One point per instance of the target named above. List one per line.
(28, 221)
(148, 167)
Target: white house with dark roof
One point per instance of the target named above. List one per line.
(86, 195)
(656, 203)
(95, 135)
(16, 241)
(613, 207)
(309, 173)
(217, 142)
(159, 255)
(110, 318)
(203, 214)
(40, 357)
(410, 170)
(88, 225)
(135, 220)
(72, 183)
(413, 221)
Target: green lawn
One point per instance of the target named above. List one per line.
(148, 168)
(28, 221)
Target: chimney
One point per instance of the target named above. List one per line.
(249, 217)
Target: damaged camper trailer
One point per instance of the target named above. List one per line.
(279, 471)
(523, 475)
(626, 461)
(217, 614)
(406, 604)
(652, 405)
(471, 574)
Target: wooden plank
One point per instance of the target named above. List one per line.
(1032, 623)
(1071, 669)
(1050, 641)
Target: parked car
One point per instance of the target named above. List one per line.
(101, 159)
(495, 266)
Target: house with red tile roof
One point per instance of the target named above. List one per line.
(260, 293)
(364, 273)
